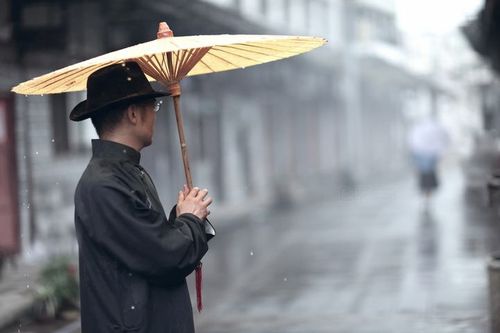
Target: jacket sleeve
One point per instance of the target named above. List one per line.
(142, 239)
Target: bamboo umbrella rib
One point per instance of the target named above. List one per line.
(159, 64)
(181, 58)
(32, 84)
(80, 74)
(51, 85)
(157, 70)
(196, 57)
(150, 69)
(275, 48)
(226, 60)
(185, 59)
(238, 55)
(234, 47)
(282, 45)
(206, 65)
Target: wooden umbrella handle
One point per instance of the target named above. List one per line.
(182, 139)
(174, 88)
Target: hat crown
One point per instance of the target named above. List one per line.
(114, 85)
(116, 82)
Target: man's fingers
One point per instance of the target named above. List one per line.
(180, 197)
(207, 202)
(202, 194)
(194, 192)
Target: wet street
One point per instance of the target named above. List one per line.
(373, 261)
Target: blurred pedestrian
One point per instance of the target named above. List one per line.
(133, 259)
(427, 142)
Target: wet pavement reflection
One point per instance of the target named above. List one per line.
(373, 261)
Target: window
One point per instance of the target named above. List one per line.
(69, 137)
(60, 139)
(42, 15)
(4, 20)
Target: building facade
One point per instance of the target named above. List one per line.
(260, 136)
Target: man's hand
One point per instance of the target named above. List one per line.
(195, 202)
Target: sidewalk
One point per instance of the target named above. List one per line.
(16, 292)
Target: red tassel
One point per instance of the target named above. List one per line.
(199, 284)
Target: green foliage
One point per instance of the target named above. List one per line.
(57, 288)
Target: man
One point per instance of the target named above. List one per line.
(133, 260)
(427, 141)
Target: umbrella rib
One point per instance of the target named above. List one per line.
(246, 50)
(58, 78)
(275, 46)
(157, 72)
(260, 48)
(146, 67)
(229, 62)
(195, 57)
(206, 65)
(160, 65)
(234, 54)
(185, 55)
(49, 83)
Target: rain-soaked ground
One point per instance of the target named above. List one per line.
(375, 261)
(372, 262)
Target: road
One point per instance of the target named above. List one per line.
(374, 261)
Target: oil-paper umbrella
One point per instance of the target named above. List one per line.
(169, 59)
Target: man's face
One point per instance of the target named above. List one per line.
(146, 123)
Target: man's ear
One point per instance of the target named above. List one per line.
(132, 114)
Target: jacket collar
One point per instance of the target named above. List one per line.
(114, 150)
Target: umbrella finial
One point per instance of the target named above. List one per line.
(164, 30)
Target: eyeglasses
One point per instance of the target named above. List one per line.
(157, 106)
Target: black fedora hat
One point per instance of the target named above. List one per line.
(113, 85)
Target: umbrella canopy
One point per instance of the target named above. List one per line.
(189, 56)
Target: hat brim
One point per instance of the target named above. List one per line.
(81, 112)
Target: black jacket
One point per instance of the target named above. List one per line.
(133, 261)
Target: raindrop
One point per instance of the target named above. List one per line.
(285, 279)
(41, 95)
(251, 253)
(25, 95)
(132, 307)
(27, 286)
(129, 78)
(124, 151)
(53, 140)
(36, 153)
(24, 156)
(57, 183)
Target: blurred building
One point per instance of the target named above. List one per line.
(259, 136)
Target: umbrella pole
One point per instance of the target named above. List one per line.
(164, 31)
(182, 139)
